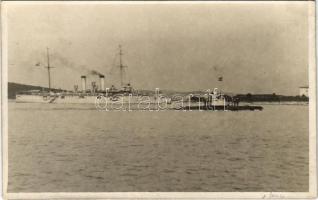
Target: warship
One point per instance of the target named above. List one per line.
(125, 94)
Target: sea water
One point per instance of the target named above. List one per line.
(76, 148)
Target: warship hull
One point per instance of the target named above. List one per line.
(91, 99)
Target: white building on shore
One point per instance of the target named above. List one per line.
(303, 91)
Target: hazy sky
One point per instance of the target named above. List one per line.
(256, 47)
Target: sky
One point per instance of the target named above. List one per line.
(255, 47)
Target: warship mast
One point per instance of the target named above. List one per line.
(48, 68)
(121, 66)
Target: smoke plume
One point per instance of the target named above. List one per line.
(94, 72)
(66, 63)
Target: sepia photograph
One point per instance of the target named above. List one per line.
(189, 99)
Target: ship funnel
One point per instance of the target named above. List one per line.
(94, 87)
(83, 83)
(102, 82)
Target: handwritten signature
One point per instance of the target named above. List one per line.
(272, 195)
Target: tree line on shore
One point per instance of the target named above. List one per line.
(270, 98)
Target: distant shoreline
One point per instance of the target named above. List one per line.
(242, 103)
(298, 103)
